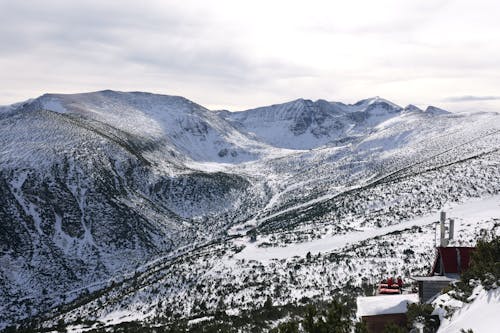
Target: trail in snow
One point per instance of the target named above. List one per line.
(467, 212)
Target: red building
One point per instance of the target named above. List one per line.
(451, 260)
(449, 264)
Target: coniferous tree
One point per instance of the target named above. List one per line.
(360, 327)
(422, 314)
(288, 327)
(309, 319)
(485, 263)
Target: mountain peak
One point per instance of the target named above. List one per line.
(435, 110)
(412, 108)
(377, 100)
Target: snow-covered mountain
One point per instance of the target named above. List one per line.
(179, 126)
(95, 184)
(133, 203)
(304, 124)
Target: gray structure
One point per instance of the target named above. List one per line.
(430, 286)
(442, 239)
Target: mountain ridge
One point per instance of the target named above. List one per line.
(96, 185)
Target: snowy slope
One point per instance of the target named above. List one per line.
(472, 210)
(216, 277)
(186, 128)
(304, 124)
(84, 199)
(479, 315)
(156, 193)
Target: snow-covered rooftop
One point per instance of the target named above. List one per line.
(378, 305)
(447, 278)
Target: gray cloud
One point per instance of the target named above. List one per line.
(240, 55)
(172, 40)
(470, 98)
(61, 24)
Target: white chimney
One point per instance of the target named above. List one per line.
(443, 241)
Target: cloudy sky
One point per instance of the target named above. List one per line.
(241, 54)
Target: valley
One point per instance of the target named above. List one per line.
(121, 207)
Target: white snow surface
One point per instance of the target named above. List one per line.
(469, 211)
(480, 315)
(384, 304)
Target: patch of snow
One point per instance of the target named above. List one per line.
(199, 320)
(233, 312)
(121, 316)
(55, 104)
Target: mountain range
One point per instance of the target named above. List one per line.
(115, 204)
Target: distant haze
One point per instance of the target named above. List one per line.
(237, 55)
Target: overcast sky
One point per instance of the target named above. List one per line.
(241, 54)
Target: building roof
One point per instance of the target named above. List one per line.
(444, 278)
(380, 305)
(451, 260)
